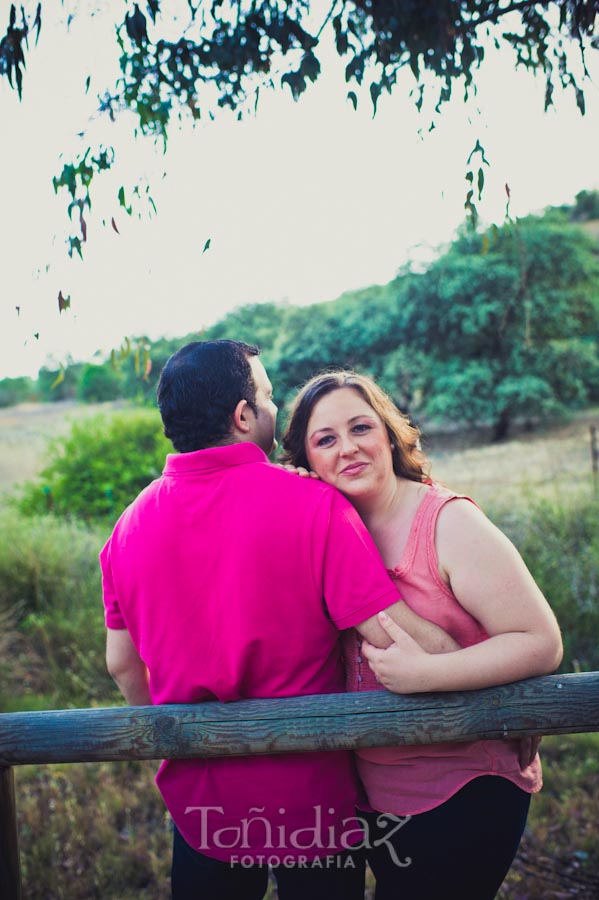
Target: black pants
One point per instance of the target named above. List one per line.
(199, 877)
(463, 848)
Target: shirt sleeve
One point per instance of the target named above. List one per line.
(356, 584)
(112, 610)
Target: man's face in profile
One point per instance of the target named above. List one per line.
(266, 410)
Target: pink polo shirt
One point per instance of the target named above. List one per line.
(234, 578)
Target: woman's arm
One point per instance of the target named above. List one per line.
(490, 580)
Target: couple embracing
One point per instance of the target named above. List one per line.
(230, 578)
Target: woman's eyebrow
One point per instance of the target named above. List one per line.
(318, 430)
(349, 422)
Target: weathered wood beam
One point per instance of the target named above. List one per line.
(10, 873)
(555, 704)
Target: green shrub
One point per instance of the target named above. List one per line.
(51, 615)
(98, 384)
(99, 467)
(16, 390)
(560, 544)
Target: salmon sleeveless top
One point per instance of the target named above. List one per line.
(407, 780)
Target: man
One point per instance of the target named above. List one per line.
(229, 578)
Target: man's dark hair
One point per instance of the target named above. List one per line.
(199, 388)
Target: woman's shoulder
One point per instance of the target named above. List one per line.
(461, 521)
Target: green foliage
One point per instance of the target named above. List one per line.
(560, 544)
(175, 66)
(505, 323)
(166, 58)
(58, 384)
(99, 383)
(16, 390)
(501, 316)
(586, 206)
(99, 467)
(76, 178)
(51, 614)
(140, 362)
(14, 43)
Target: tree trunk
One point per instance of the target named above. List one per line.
(501, 427)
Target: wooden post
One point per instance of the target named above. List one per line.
(10, 871)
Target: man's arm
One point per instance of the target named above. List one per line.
(429, 636)
(127, 667)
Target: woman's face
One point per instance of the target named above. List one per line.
(347, 444)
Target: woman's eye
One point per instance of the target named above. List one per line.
(361, 427)
(325, 440)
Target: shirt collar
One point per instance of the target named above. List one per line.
(214, 458)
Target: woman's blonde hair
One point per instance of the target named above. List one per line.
(408, 459)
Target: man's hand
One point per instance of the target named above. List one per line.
(528, 747)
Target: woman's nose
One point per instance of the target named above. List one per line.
(347, 445)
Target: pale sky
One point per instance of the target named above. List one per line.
(302, 202)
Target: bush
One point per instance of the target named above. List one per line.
(51, 614)
(93, 831)
(16, 390)
(99, 467)
(98, 384)
(560, 544)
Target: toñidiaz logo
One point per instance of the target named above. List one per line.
(286, 844)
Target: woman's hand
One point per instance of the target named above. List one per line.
(297, 470)
(403, 666)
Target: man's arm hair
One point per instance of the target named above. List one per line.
(429, 636)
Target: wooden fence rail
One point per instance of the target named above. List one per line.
(554, 704)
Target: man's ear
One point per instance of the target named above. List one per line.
(241, 421)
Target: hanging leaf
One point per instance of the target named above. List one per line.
(207, 245)
(354, 100)
(113, 223)
(481, 182)
(59, 378)
(63, 302)
(375, 93)
(123, 202)
(37, 24)
(147, 363)
(507, 205)
(83, 225)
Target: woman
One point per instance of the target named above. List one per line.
(456, 811)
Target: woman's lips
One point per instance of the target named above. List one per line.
(354, 468)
